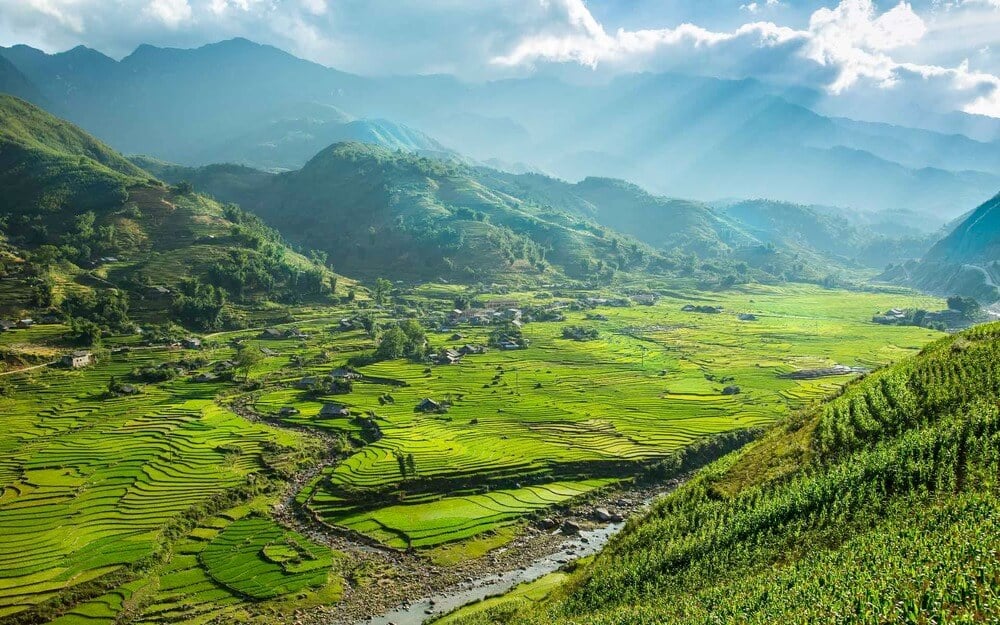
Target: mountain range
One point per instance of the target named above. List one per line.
(681, 136)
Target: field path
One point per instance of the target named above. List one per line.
(31, 368)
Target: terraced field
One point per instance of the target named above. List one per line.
(92, 484)
(157, 505)
(569, 412)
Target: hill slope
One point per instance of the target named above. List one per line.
(378, 212)
(879, 506)
(80, 218)
(965, 262)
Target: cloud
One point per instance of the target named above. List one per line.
(847, 46)
(172, 13)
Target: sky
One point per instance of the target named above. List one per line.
(945, 53)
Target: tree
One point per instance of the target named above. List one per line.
(968, 306)
(381, 291)
(391, 345)
(245, 360)
(367, 320)
(85, 332)
(411, 464)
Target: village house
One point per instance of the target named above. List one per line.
(333, 411)
(77, 360)
(288, 411)
(24, 324)
(205, 377)
(343, 373)
(158, 293)
(307, 383)
(272, 334)
(192, 343)
(6, 325)
(428, 405)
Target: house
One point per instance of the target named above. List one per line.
(333, 411)
(224, 366)
(191, 343)
(465, 350)
(307, 383)
(25, 323)
(127, 389)
(205, 377)
(158, 292)
(288, 411)
(343, 373)
(267, 351)
(646, 299)
(428, 405)
(77, 360)
(509, 345)
(272, 334)
(6, 325)
(346, 325)
(295, 333)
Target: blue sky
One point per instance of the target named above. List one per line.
(946, 52)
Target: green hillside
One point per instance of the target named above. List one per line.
(381, 212)
(878, 506)
(965, 262)
(80, 220)
(378, 212)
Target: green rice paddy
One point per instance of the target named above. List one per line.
(132, 498)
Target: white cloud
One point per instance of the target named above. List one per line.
(172, 13)
(847, 46)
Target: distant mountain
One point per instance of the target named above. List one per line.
(289, 143)
(965, 262)
(78, 212)
(13, 82)
(831, 233)
(676, 135)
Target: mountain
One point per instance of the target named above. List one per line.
(13, 82)
(80, 218)
(835, 234)
(378, 212)
(682, 136)
(879, 501)
(814, 237)
(965, 262)
(289, 143)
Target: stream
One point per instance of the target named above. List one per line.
(587, 543)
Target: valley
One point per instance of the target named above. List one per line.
(445, 313)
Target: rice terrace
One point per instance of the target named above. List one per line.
(98, 490)
(516, 312)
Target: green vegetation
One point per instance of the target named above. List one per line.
(256, 558)
(563, 411)
(85, 230)
(878, 506)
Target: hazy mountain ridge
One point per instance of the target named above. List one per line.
(678, 135)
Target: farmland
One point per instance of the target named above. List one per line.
(158, 504)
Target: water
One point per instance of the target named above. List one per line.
(587, 543)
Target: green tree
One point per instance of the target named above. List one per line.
(381, 291)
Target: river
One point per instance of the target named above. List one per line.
(587, 543)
